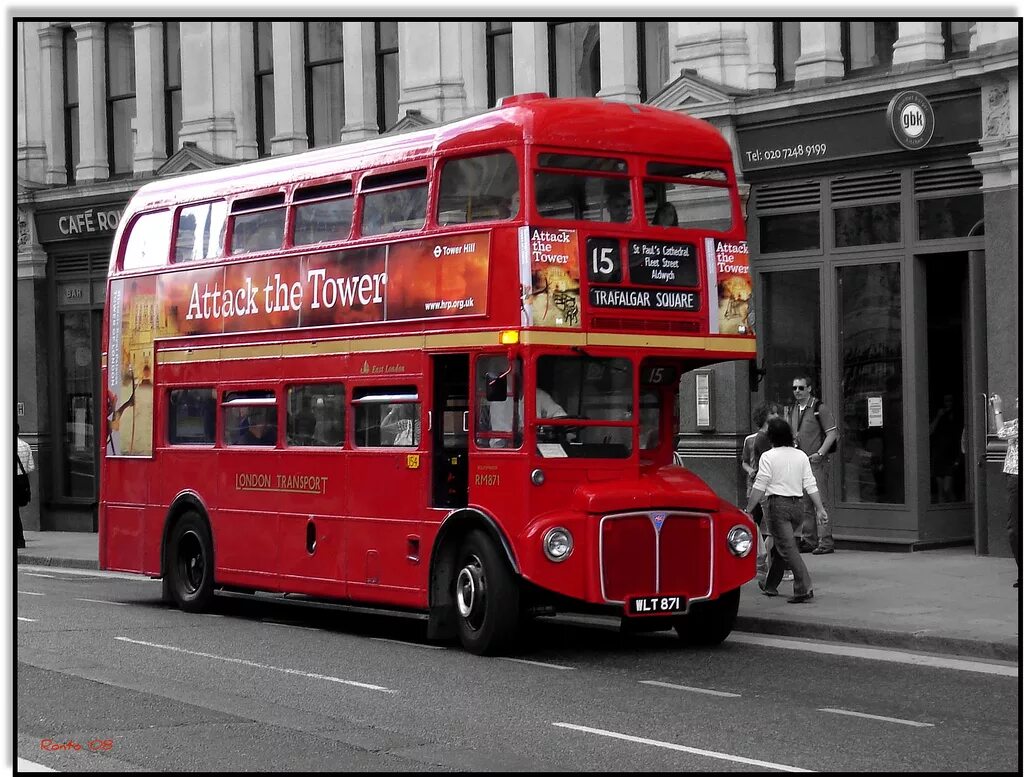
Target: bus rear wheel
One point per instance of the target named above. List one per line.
(709, 623)
(190, 563)
(486, 597)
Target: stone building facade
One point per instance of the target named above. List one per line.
(885, 254)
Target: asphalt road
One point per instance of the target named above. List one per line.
(262, 685)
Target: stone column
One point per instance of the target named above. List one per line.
(206, 118)
(474, 58)
(919, 44)
(995, 37)
(51, 79)
(289, 89)
(821, 54)
(360, 82)
(150, 129)
(243, 88)
(92, 103)
(620, 74)
(31, 95)
(761, 75)
(430, 67)
(530, 57)
(716, 50)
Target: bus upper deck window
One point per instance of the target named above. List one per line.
(149, 241)
(257, 224)
(323, 213)
(390, 204)
(689, 195)
(595, 190)
(200, 232)
(479, 188)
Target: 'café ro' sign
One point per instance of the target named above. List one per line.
(911, 120)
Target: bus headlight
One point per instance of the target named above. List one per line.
(740, 540)
(557, 544)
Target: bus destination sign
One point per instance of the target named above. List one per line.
(643, 299)
(654, 263)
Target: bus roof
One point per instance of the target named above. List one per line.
(585, 122)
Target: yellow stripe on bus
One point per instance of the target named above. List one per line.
(449, 340)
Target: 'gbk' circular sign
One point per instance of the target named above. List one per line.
(911, 119)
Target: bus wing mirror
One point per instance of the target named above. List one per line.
(497, 387)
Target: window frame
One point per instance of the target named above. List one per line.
(261, 77)
(381, 54)
(377, 395)
(491, 36)
(172, 128)
(171, 440)
(112, 99)
(310, 65)
(72, 118)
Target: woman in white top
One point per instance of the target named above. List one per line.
(784, 474)
(27, 463)
(1007, 430)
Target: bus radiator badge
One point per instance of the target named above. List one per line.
(658, 519)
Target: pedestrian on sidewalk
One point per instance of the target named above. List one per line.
(784, 476)
(1007, 430)
(23, 492)
(753, 446)
(815, 430)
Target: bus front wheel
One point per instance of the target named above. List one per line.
(709, 623)
(486, 597)
(190, 563)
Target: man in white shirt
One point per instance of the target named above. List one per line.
(501, 414)
(784, 475)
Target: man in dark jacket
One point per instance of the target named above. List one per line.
(814, 428)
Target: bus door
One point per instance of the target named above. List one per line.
(450, 431)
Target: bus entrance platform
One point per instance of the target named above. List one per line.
(947, 601)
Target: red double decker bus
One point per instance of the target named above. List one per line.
(436, 372)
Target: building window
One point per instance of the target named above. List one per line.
(386, 55)
(325, 82)
(263, 57)
(72, 150)
(786, 36)
(790, 303)
(957, 37)
(574, 59)
(172, 84)
(120, 48)
(652, 57)
(499, 61)
(868, 44)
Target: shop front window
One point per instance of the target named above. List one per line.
(78, 451)
(872, 450)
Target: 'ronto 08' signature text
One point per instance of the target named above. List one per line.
(800, 151)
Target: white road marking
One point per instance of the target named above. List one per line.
(31, 593)
(101, 601)
(683, 748)
(409, 644)
(878, 717)
(688, 688)
(27, 620)
(288, 625)
(36, 574)
(32, 766)
(244, 662)
(880, 654)
(537, 663)
(94, 573)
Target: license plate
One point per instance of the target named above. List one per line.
(655, 605)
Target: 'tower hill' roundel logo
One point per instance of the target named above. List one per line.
(911, 119)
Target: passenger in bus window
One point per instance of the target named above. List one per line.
(666, 216)
(400, 426)
(257, 428)
(618, 204)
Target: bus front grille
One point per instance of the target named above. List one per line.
(656, 552)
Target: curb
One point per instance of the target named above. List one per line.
(52, 561)
(881, 638)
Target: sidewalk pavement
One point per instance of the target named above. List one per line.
(941, 601)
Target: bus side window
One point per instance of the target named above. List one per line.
(499, 424)
(394, 210)
(316, 415)
(258, 231)
(200, 233)
(148, 241)
(250, 417)
(191, 416)
(479, 188)
(387, 417)
(322, 222)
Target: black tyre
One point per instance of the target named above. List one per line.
(709, 623)
(486, 597)
(189, 568)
